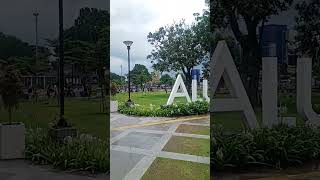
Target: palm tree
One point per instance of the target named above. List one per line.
(10, 87)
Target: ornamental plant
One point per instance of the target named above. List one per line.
(192, 108)
(10, 87)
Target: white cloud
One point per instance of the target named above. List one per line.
(134, 19)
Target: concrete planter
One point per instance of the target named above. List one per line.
(113, 106)
(290, 121)
(12, 141)
(60, 133)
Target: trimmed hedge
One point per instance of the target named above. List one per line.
(192, 108)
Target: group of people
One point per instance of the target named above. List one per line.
(53, 91)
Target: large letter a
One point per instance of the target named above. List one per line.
(222, 65)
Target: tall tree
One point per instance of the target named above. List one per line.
(166, 80)
(177, 48)
(11, 46)
(247, 15)
(10, 87)
(117, 79)
(140, 75)
(308, 28)
(87, 44)
(308, 32)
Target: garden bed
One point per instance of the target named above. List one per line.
(83, 153)
(175, 110)
(276, 148)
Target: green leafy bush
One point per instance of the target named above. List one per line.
(278, 147)
(193, 108)
(84, 153)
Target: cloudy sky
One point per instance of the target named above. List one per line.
(16, 16)
(134, 19)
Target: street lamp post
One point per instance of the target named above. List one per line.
(128, 44)
(62, 121)
(36, 14)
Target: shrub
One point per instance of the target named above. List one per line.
(193, 108)
(84, 153)
(278, 147)
(10, 87)
(114, 89)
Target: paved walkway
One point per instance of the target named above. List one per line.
(22, 170)
(137, 141)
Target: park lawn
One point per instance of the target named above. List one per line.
(233, 121)
(188, 145)
(147, 98)
(170, 169)
(84, 114)
(193, 129)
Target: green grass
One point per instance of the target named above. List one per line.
(193, 129)
(169, 169)
(234, 121)
(84, 114)
(187, 145)
(145, 99)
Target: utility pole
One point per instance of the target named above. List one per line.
(62, 121)
(121, 77)
(36, 14)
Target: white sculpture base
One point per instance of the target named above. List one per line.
(113, 106)
(290, 121)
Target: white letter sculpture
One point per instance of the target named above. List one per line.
(174, 92)
(304, 106)
(222, 65)
(269, 91)
(194, 90)
(205, 90)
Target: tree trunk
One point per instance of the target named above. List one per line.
(10, 114)
(250, 70)
(251, 60)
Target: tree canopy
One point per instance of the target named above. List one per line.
(308, 27)
(243, 17)
(140, 75)
(117, 79)
(11, 46)
(180, 47)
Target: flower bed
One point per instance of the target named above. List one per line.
(192, 108)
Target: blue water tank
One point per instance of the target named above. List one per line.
(274, 42)
(195, 74)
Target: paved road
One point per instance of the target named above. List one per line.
(22, 170)
(137, 141)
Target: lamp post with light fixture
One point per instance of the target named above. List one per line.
(128, 44)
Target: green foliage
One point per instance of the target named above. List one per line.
(178, 47)
(84, 153)
(10, 87)
(244, 17)
(193, 108)
(166, 80)
(87, 43)
(114, 88)
(115, 78)
(140, 75)
(11, 46)
(278, 147)
(308, 23)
